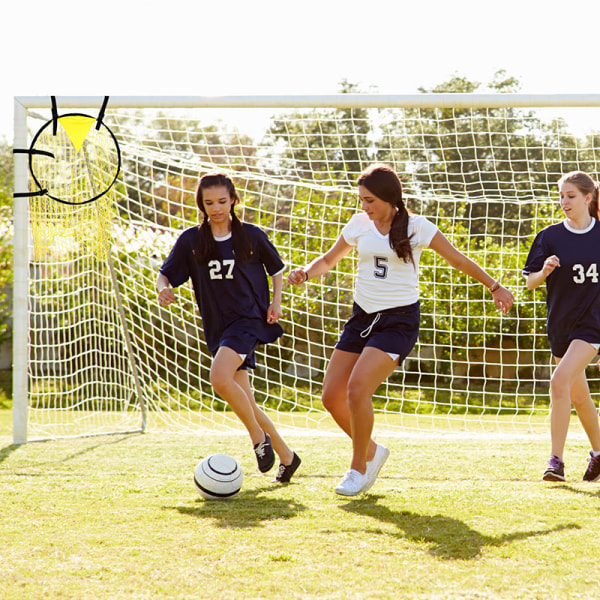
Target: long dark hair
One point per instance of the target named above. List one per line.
(383, 182)
(586, 185)
(207, 248)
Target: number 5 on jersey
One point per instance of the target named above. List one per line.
(381, 267)
(580, 274)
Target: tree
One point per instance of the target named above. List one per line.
(325, 145)
(173, 153)
(484, 161)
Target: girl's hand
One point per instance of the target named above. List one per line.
(503, 298)
(274, 313)
(166, 296)
(297, 277)
(550, 264)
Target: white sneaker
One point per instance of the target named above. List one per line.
(351, 484)
(374, 465)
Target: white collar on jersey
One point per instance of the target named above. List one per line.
(222, 239)
(573, 230)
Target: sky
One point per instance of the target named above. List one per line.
(235, 47)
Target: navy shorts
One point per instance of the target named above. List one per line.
(243, 344)
(560, 345)
(244, 335)
(394, 330)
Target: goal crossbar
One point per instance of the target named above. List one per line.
(482, 166)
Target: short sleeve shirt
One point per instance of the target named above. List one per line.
(573, 289)
(226, 290)
(383, 279)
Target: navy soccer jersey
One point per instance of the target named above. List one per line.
(232, 296)
(573, 289)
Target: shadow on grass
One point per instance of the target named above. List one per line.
(247, 509)
(593, 493)
(8, 450)
(106, 441)
(450, 538)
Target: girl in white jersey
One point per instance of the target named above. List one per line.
(566, 256)
(385, 321)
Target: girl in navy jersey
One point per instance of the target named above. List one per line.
(226, 261)
(384, 324)
(567, 257)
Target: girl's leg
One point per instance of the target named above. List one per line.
(335, 385)
(570, 368)
(335, 392)
(223, 379)
(281, 448)
(371, 369)
(586, 410)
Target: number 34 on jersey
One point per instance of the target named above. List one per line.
(580, 274)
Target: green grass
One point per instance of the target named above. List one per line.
(118, 517)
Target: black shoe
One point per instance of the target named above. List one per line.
(285, 472)
(265, 457)
(555, 471)
(592, 472)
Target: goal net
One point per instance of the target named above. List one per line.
(99, 354)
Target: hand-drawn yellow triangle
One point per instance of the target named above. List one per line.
(77, 128)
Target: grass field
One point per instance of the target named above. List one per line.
(118, 517)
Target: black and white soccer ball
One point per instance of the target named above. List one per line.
(218, 477)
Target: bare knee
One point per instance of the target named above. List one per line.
(220, 381)
(357, 393)
(332, 397)
(559, 384)
(580, 396)
(581, 401)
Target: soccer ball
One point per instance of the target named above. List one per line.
(218, 477)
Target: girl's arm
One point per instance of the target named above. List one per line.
(321, 265)
(503, 298)
(534, 280)
(166, 295)
(274, 311)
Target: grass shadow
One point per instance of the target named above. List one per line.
(449, 538)
(257, 509)
(8, 450)
(105, 441)
(109, 440)
(592, 494)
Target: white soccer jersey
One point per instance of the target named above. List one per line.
(384, 280)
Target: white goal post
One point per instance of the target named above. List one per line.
(93, 353)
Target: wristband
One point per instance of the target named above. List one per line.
(305, 275)
(494, 286)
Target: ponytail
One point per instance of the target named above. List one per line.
(383, 182)
(586, 185)
(242, 248)
(594, 206)
(206, 247)
(399, 238)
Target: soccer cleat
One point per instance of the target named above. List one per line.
(351, 484)
(555, 471)
(592, 473)
(265, 457)
(285, 472)
(374, 466)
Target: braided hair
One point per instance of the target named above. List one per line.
(383, 182)
(206, 248)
